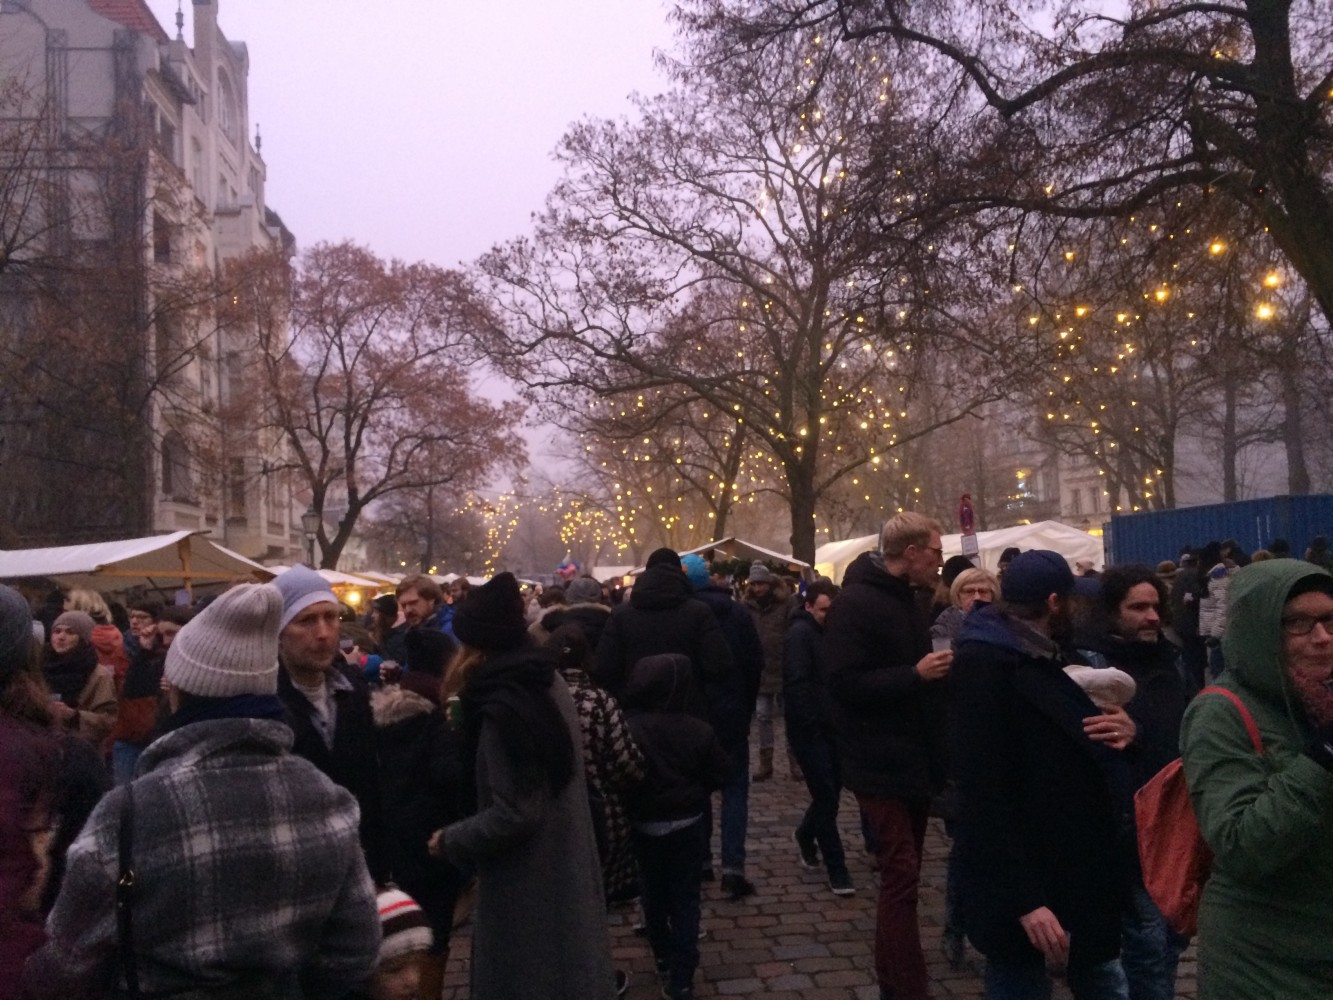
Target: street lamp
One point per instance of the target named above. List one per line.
(310, 521)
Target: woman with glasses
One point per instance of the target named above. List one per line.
(1264, 923)
(968, 587)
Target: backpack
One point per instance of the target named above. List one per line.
(1172, 853)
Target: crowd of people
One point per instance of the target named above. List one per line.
(263, 796)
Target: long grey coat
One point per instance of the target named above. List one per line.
(540, 923)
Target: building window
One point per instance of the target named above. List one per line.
(197, 170)
(228, 120)
(1075, 502)
(161, 239)
(177, 480)
(236, 494)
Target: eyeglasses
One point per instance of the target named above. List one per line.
(976, 591)
(1304, 624)
(931, 548)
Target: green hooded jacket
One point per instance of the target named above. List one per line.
(1266, 921)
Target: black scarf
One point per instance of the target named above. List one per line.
(67, 673)
(512, 691)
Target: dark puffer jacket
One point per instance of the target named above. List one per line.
(683, 761)
(662, 616)
(890, 724)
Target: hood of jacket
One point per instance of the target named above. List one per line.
(868, 568)
(660, 587)
(201, 740)
(1252, 643)
(987, 623)
(805, 618)
(660, 683)
(395, 704)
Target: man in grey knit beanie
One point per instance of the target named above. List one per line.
(248, 867)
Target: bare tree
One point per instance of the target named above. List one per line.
(367, 380)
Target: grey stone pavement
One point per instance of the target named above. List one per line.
(793, 938)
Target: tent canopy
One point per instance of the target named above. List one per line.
(182, 558)
(833, 558)
(738, 548)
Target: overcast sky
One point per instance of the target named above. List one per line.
(424, 128)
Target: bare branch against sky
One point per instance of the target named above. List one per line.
(424, 128)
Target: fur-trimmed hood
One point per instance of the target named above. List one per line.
(393, 704)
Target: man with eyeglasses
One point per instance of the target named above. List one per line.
(1268, 904)
(889, 704)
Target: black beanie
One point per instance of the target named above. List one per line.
(492, 616)
(428, 650)
(663, 557)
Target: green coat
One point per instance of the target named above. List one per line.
(1266, 921)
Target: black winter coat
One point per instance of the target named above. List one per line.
(353, 761)
(662, 616)
(684, 762)
(1042, 810)
(1158, 706)
(425, 784)
(889, 724)
(806, 703)
(730, 698)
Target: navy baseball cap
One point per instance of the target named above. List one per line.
(1036, 574)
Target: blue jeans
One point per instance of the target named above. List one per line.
(124, 757)
(1027, 979)
(1149, 949)
(735, 819)
(819, 764)
(669, 876)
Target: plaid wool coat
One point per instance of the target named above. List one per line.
(250, 877)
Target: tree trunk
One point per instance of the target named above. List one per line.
(1230, 489)
(800, 482)
(1293, 424)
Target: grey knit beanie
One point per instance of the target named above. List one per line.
(231, 647)
(301, 587)
(79, 622)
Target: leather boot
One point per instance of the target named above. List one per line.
(765, 765)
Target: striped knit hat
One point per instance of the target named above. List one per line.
(405, 928)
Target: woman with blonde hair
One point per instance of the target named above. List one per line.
(531, 840)
(968, 587)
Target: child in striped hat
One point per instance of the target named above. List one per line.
(405, 943)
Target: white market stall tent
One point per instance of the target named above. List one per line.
(738, 548)
(164, 562)
(833, 558)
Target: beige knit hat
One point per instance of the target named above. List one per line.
(231, 647)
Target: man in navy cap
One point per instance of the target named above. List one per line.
(1043, 789)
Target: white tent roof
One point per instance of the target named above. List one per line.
(174, 560)
(738, 548)
(833, 558)
(605, 574)
(336, 578)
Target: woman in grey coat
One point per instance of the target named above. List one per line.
(540, 923)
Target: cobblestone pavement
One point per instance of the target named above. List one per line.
(793, 938)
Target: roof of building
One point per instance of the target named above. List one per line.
(132, 14)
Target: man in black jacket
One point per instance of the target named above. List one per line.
(328, 706)
(1043, 795)
(662, 616)
(889, 701)
(810, 735)
(1132, 599)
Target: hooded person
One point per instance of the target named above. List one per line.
(583, 608)
(1268, 904)
(684, 764)
(228, 830)
(531, 839)
(662, 615)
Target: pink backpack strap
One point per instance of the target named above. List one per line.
(1250, 726)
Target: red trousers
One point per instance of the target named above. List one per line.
(899, 829)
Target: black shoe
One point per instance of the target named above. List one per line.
(622, 982)
(809, 853)
(736, 886)
(841, 884)
(953, 947)
(639, 930)
(707, 875)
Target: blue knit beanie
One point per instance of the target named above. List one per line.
(301, 587)
(696, 570)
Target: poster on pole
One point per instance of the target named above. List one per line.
(967, 525)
